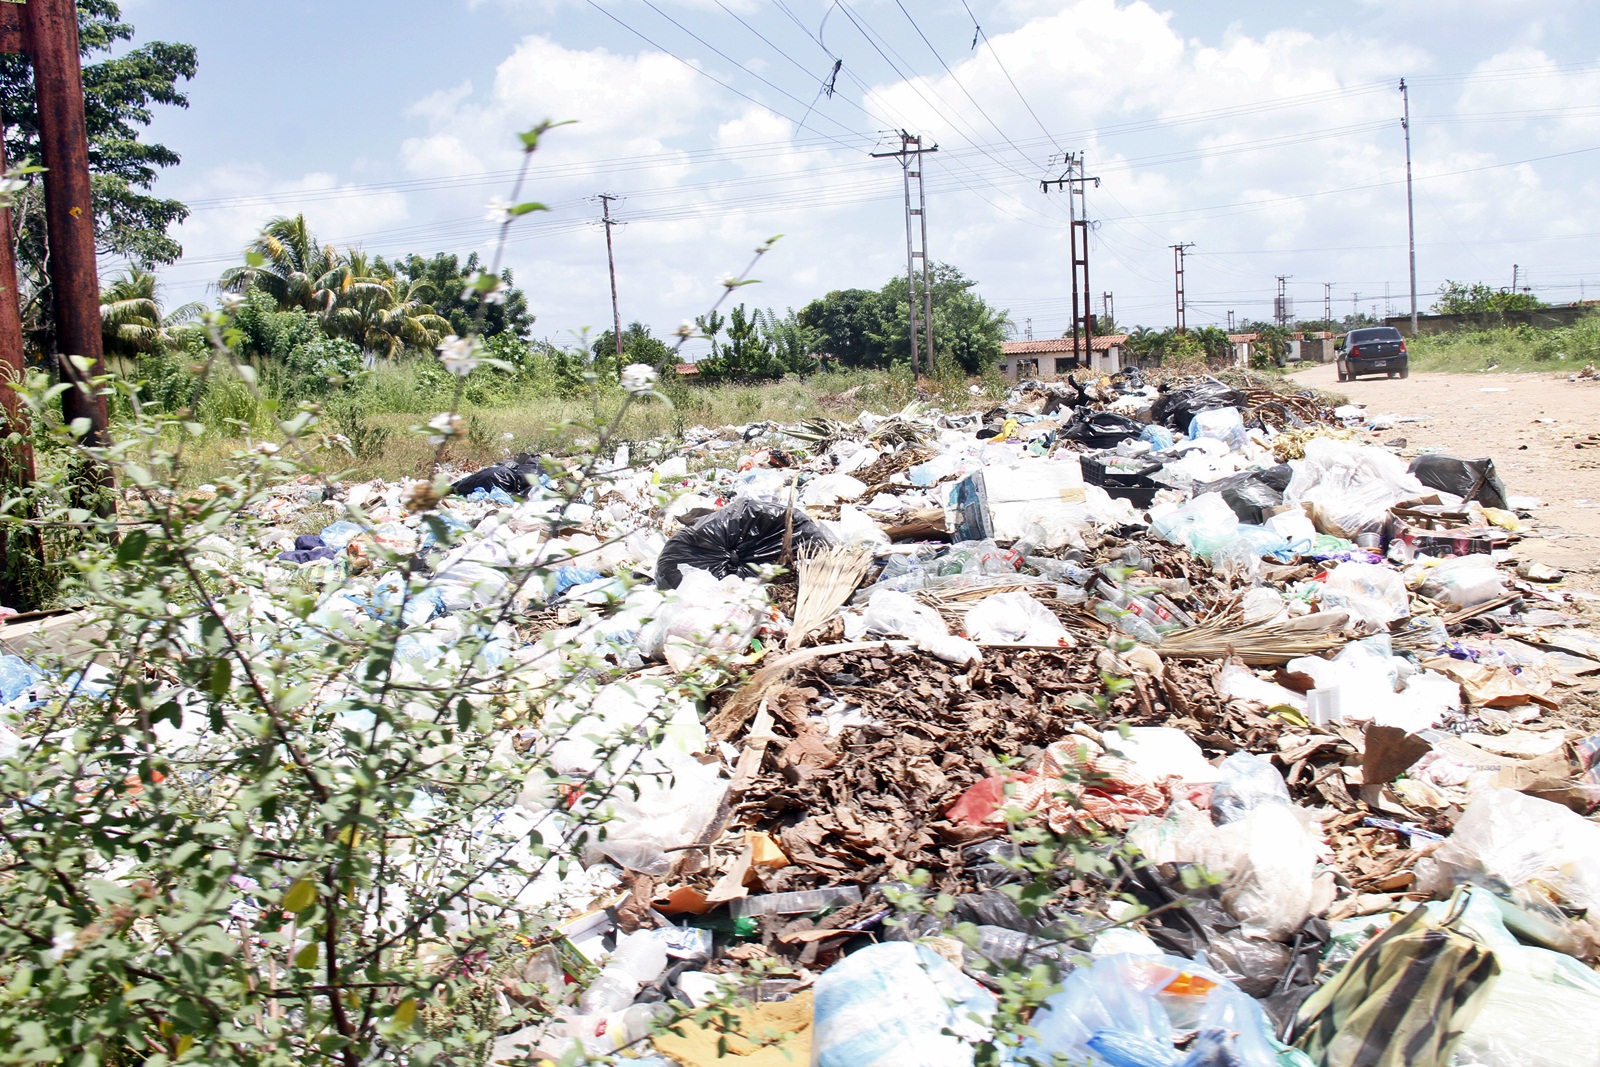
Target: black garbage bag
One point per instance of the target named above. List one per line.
(1101, 429)
(513, 476)
(1249, 493)
(1470, 479)
(1177, 407)
(736, 540)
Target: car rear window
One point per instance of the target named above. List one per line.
(1381, 333)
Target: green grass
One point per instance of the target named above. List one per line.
(508, 421)
(1510, 349)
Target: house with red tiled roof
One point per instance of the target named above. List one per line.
(1059, 356)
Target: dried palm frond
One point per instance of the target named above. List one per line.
(898, 431)
(1257, 643)
(827, 577)
(823, 432)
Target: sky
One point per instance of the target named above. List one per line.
(1267, 134)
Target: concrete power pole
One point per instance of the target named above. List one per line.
(906, 154)
(1280, 303)
(1074, 181)
(1411, 220)
(1177, 281)
(1327, 305)
(611, 264)
(1111, 320)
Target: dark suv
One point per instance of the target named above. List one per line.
(1378, 350)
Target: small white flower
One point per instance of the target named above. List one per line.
(445, 426)
(685, 329)
(728, 281)
(64, 944)
(459, 355)
(231, 302)
(499, 210)
(267, 448)
(638, 379)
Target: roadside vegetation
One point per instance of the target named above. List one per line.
(1510, 349)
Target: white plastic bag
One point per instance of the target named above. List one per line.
(1521, 841)
(1349, 487)
(703, 617)
(890, 613)
(1368, 591)
(1463, 581)
(1015, 617)
(895, 1004)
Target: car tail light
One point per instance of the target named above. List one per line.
(1355, 350)
(1402, 348)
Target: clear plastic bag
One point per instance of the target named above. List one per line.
(1015, 617)
(1131, 1010)
(897, 1003)
(1529, 845)
(1247, 782)
(1368, 591)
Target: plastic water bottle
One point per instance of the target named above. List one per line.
(1128, 622)
(640, 957)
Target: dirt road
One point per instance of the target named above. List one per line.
(1531, 426)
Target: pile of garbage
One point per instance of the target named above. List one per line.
(1285, 709)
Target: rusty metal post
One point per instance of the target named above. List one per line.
(50, 40)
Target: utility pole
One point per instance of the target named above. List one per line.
(1177, 281)
(1230, 320)
(1280, 303)
(50, 39)
(1411, 219)
(611, 263)
(1028, 332)
(1327, 304)
(1074, 182)
(906, 154)
(1111, 319)
(1515, 268)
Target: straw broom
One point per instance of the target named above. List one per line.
(827, 577)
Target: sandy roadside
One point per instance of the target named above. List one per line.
(1529, 424)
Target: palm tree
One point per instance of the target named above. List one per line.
(131, 319)
(380, 310)
(294, 270)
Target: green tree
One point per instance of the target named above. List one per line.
(639, 345)
(449, 277)
(119, 93)
(792, 344)
(1459, 298)
(383, 312)
(132, 322)
(1213, 341)
(265, 331)
(845, 324)
(290, 266)
(965, 327)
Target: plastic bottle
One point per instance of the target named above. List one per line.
(640, 957)
(1128, 622)
(1157, 617)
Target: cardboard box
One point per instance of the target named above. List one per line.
(1002, 502)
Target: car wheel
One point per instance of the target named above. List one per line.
(1406, 373)
(1338, 369)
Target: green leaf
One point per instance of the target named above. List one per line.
(132, 547)
(80, 427)
(306, 958)
(255, 259)
(526, 208)
(300, 896)
(405, 1013)
(221, 678)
